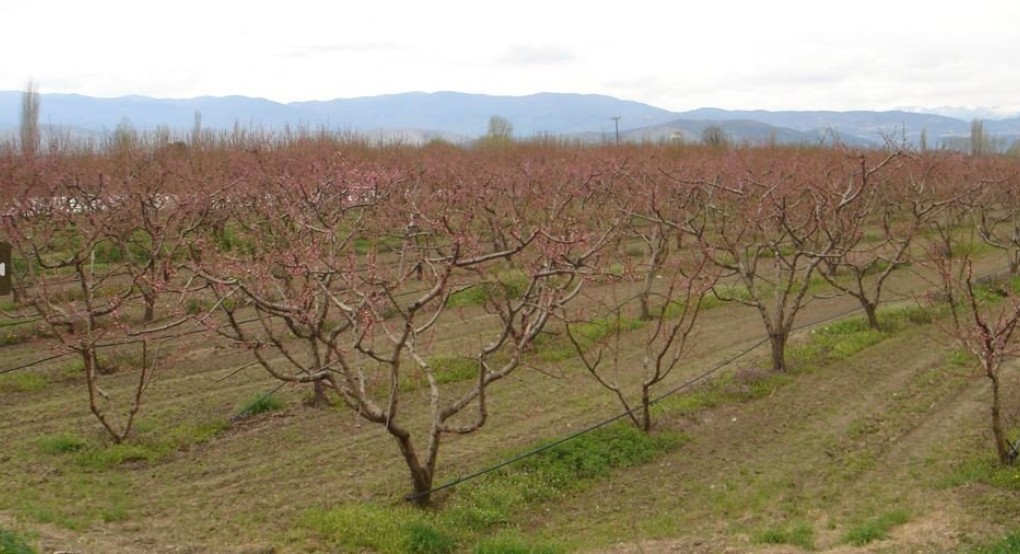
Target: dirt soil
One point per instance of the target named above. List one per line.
(878, 432)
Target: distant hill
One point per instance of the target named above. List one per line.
(418, 117)
(872, 127)
(739, 131)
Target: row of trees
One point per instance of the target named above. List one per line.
(348, 268)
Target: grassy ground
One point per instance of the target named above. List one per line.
(874, 442)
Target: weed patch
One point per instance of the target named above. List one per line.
(423, 538)
(514, 542)
(24, 381)
(799, 534)
(12, 543)
(876, 528)
(835, 341)
(691, 402)
(492, 500)
(509, 285)
(558, 348)
(445, 369)
(960, 358)
(62, 444)
(116, 454)
(148, 448)
(1010, 544)
(722, 294)
(380, 528)
(987, 471)
(261, 403)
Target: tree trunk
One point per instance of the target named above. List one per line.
(1002, 446)
(645, 310)
(871, 311)
(91, 362)
(778, 342)
(319, 397)
(150, 308)
(646, 411)
(421, 475)
(831, 267)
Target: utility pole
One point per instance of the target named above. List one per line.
(616, 121)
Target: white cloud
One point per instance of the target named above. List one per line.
(783, 54)
(520, 54)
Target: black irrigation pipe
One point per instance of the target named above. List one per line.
(37, 362)
(21, 322)
(415, 496)
(118, 343)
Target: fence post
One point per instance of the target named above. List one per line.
(5, 269)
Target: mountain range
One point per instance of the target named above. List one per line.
(461, 117)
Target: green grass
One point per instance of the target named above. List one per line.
(835, 341)
(743, 385)
(145, 446)
(512, 541)
(113, 455)
(875, 528)
(475, 295)
(446, 369)
(726, 293)
(22, 331)
(386, 243)
(423, 538)
(477, 508)
(81, 497)
(62, 444)
(384, 529)
(558, 347)
(799, 534)
(984, 470)
(960, 358)
(13, 543)
(261, 403)
(844, 338)
(195, 306)
(693, 401)
(1010, 544)
(992, 290)
(510, 285)
(23, 381)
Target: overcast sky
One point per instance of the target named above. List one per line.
(779, 54)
